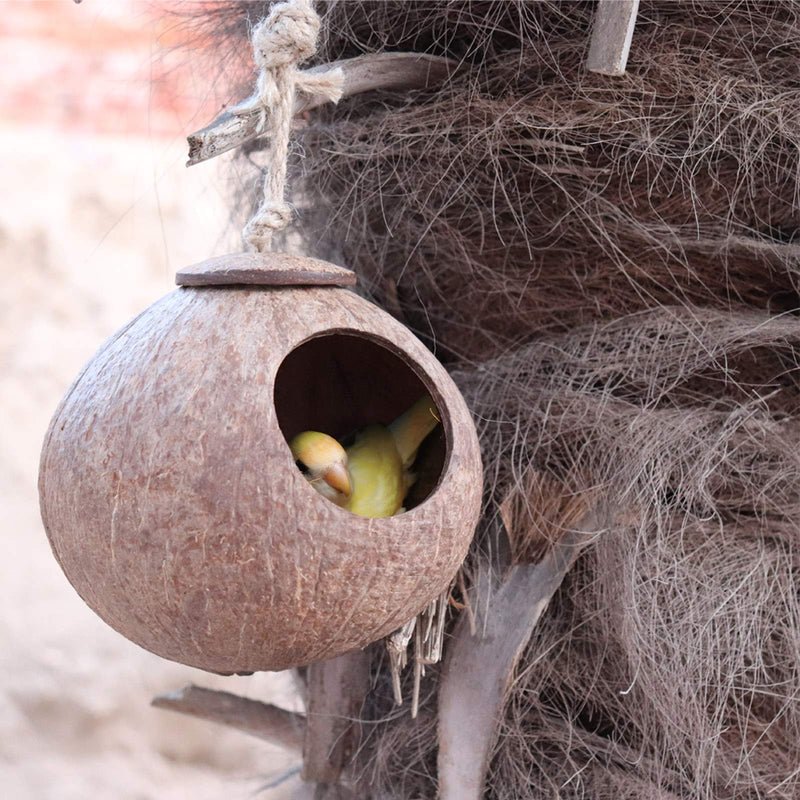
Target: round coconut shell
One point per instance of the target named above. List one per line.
(173, 504)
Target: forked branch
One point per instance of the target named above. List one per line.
(361, 74)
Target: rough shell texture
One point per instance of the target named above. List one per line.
(172, 503)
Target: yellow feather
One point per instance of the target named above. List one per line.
(376, 470)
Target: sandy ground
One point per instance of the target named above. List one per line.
(90, 234)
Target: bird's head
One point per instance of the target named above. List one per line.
(324, 463)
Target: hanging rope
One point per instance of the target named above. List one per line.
(287, 36)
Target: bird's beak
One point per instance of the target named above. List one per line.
(338, 477)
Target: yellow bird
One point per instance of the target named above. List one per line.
(372, 476)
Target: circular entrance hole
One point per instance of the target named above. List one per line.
(339, 382)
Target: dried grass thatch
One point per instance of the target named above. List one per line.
(610, 268)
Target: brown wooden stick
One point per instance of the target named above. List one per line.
(336, 692)
(276, 725)
(478, 670)
(611, 36)
(361, 74)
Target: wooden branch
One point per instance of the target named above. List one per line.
(478, 671)
(271, 723)
(336, 693)
(611, 36)
(361, 74)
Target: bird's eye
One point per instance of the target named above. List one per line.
(302, 467)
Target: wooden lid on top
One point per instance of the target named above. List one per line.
(264, 269)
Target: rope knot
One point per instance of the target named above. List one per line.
(272, 215)
(288, 35)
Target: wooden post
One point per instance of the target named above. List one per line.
(611, 36)
(336, 693)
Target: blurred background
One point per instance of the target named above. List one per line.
(98, 213)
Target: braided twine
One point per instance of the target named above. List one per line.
(286, 37)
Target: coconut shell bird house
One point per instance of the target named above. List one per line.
(171, 497)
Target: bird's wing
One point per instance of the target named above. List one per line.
(410, 429)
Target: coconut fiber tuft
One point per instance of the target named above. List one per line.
(609, 267)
